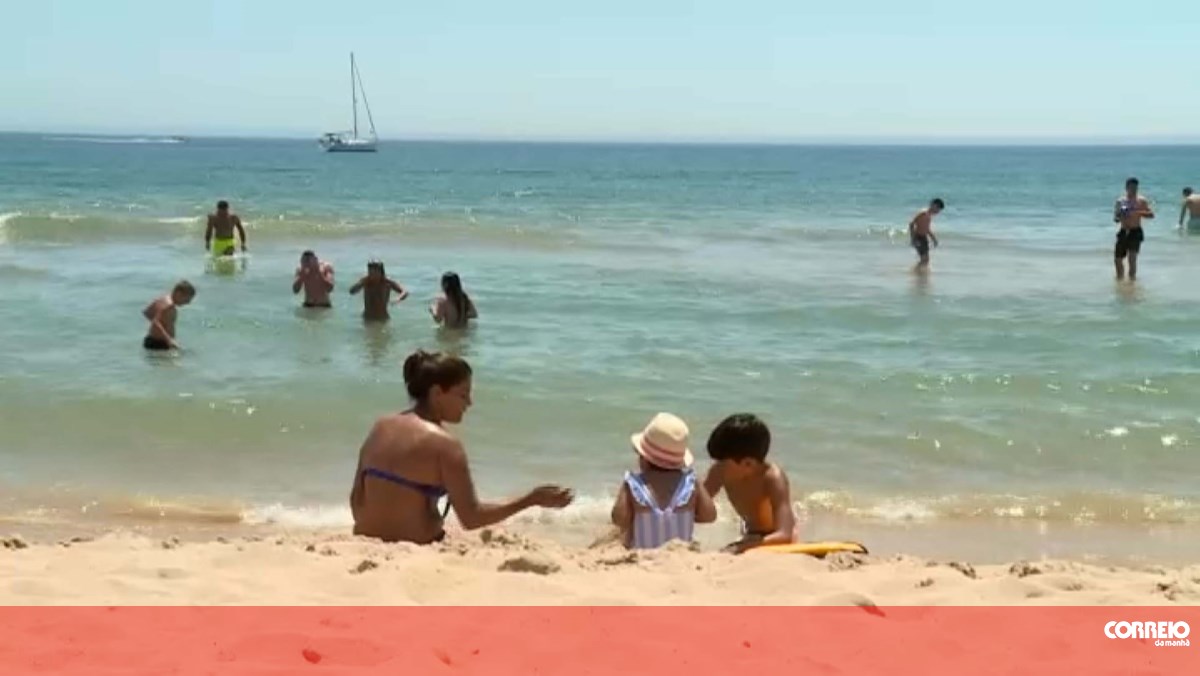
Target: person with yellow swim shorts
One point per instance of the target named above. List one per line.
(218, 236)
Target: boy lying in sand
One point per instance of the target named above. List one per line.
(758, 489)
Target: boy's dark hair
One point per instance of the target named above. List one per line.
(738, 437)
(222, 204)
(185, 287)
(1187, 191)
(1131, 181)
(937, 202)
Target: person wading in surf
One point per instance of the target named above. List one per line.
(218, 236)
(1128, 213)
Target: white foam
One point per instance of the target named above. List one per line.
(4, 219)
(111, 139)
(319, 516)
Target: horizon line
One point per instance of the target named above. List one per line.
(832, 140)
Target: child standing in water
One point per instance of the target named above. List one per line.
(662, 501)
(161, 313)
(758, 489)
(454, 308)
(920, 230)
(377, 289)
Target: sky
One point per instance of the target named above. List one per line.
(618, 70)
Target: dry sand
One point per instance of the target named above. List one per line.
(499, 568)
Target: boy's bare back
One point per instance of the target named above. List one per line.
(922, 223)
(161, 313)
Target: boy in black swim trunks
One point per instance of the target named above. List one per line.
(1128, 212)
(920, 230)
(759, 490)
(161, 313)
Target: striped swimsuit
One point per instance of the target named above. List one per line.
(656, 526)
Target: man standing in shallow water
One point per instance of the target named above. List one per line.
(1128, 212)
(222, 224)
(315, 277)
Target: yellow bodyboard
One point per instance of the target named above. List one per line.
(817, 549)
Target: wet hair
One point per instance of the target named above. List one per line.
(1187, 191)
(937, 202)
(452, 285)
(375, 264)
(222, 204)
(184, 287)
(423, 370)
(1131, 181)
(739, 437)
(308, 253)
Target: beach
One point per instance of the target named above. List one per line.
(502, 568)
(1015, 404)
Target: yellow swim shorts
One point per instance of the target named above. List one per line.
(224, 247)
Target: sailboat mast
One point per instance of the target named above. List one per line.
(353, 95)
(366, 103)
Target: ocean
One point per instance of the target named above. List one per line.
(1015, 400)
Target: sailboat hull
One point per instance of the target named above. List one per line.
(351, 148)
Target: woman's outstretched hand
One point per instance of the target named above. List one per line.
(551, 497)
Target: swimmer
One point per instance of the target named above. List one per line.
(315, 276)
(1190, 210)
(161, 313)
(218, 236)
(920, 231)
(1128, 212)
(377, 288)
(454, 308)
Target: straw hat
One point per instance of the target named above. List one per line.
(664, 442)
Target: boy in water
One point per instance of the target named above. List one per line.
(920, 230)
(377, 289)
(757, 489)
(315, 276)
(161, 313)
(1128, 213)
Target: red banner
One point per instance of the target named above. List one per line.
(608, 640)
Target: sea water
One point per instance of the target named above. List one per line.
(1015, 390)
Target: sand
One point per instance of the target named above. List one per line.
(500, 568)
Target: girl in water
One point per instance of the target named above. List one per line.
(409, 461)
(454, 308)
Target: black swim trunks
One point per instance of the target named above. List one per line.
(921, 244)
(152, 343)
(1128, 241)
(318, 305)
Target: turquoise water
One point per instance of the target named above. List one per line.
(1016, 384)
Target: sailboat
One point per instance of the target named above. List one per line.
(350, 141)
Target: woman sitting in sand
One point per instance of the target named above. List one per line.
(409, 461)
(454, 308)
